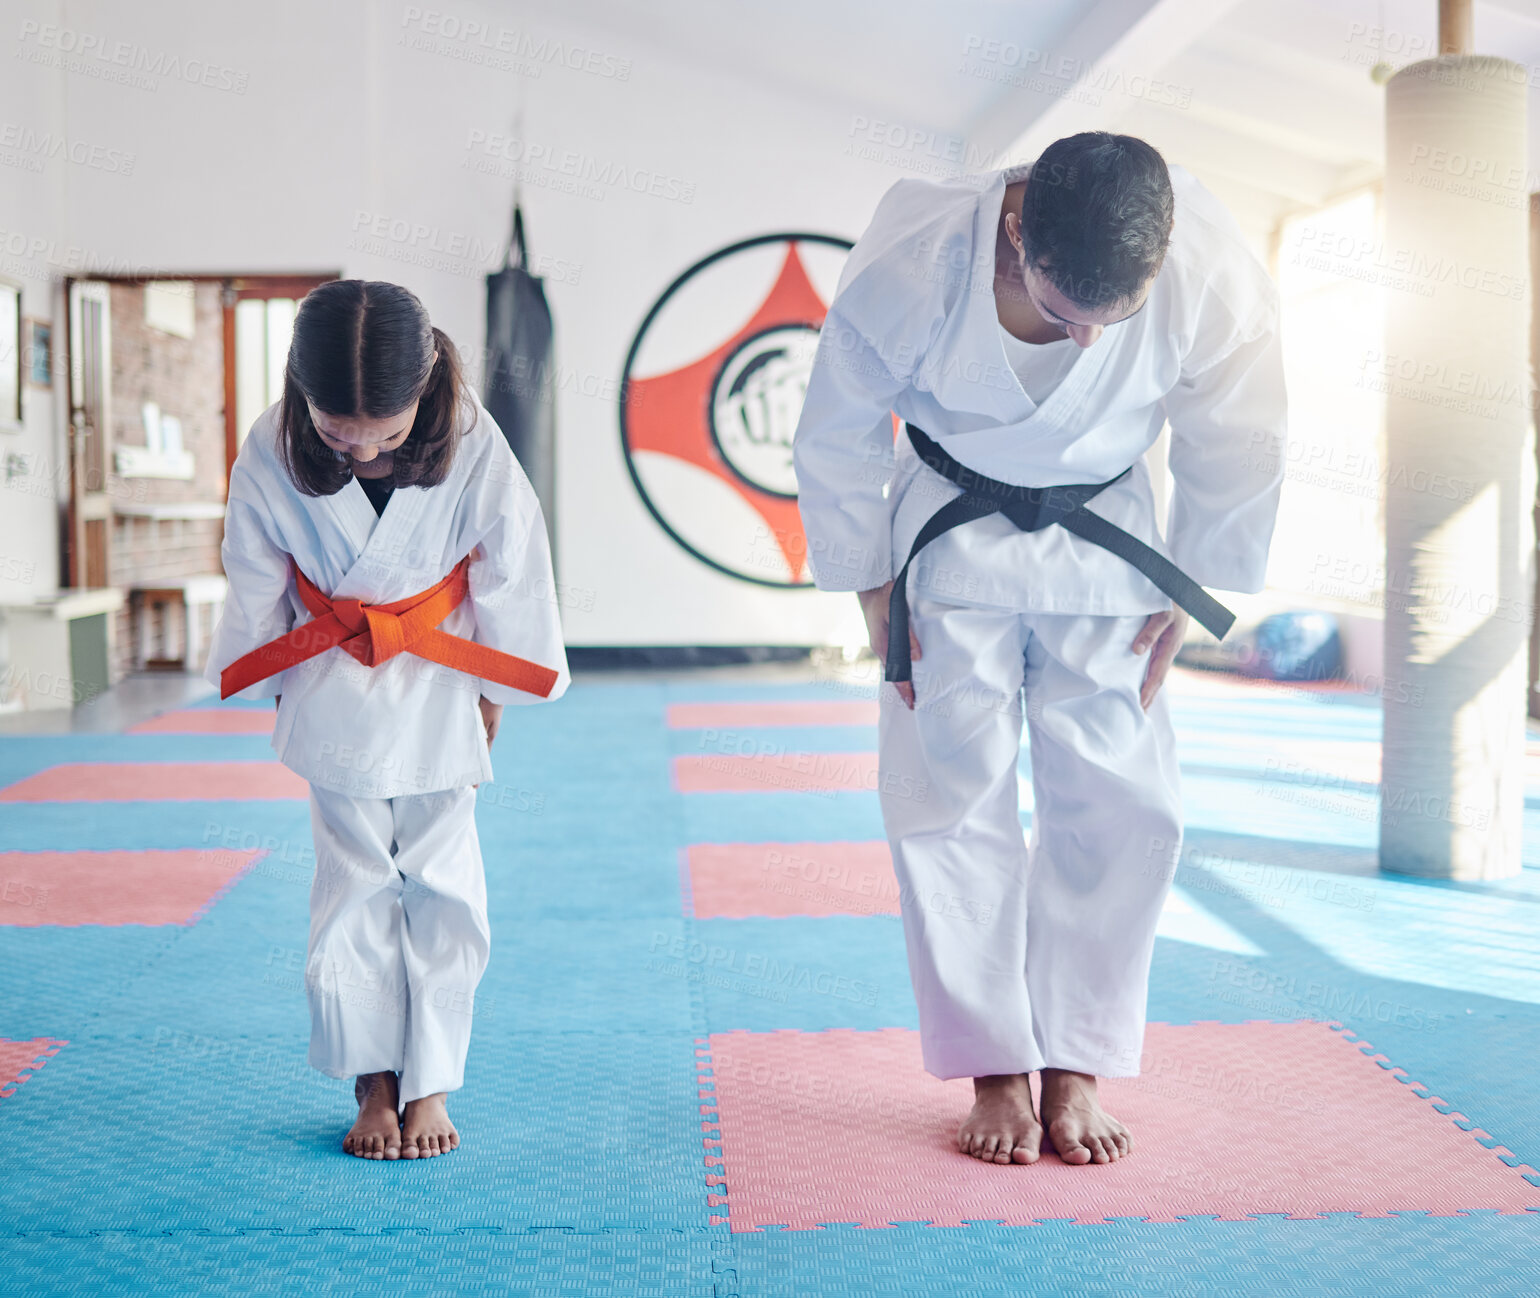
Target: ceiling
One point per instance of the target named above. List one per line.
(1269, 101)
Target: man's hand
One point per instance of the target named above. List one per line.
(874, 607)
(491, 716)
(1161, 637)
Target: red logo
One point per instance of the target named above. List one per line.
(712, 390)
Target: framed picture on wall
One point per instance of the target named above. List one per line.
(10, 355)
(39, 358)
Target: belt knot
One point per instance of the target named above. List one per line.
(386, 635)
(350, 612)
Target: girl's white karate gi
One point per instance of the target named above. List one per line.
(398, 915)
(1024, 957)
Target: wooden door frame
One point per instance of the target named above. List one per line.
(242, 288)
(241, 283)
(74, 561)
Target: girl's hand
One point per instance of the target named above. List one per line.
(491, 715)
(1162, 635)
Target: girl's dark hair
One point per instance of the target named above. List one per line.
(364, 348)
(1096, 217)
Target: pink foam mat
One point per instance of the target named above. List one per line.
(702, 716)
(20, 1059)
(209, 721)
(771, 770)
(157, 782)
(114, 887)
(744, 880)
(1227, 1120)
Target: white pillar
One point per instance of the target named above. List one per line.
(1460, 487)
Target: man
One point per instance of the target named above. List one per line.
(1035, 328)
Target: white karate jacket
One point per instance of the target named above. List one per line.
(409, 725)
(913, 330)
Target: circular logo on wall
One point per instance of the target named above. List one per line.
(710, 397)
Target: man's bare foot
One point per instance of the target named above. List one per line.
(426, 1130)
(1002, 1127)
(1081, 1130)
(376, 1133)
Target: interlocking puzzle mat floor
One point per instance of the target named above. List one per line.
(695, 1068)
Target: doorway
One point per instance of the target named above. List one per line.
(166, 376)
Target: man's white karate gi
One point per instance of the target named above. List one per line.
(1031, 956)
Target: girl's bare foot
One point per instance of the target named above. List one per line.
(376, 1133)
(426, 1130)
(1002, 1127)
(1081, 1130)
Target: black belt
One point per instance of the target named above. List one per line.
(1032, 509)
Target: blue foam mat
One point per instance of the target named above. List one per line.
(553, 1260)
(194, 1131)
(179, 1143)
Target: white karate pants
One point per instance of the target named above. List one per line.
(398, 936)
(1029, 956)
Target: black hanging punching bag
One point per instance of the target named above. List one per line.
(520, 383)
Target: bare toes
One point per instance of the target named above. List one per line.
(1074, 1152)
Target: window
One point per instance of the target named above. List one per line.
(263, 327)
(1332, 274)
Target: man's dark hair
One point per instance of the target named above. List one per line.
(1096, 217)
(365, 347)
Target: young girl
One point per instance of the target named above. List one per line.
(390, 586)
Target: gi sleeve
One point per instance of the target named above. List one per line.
(843, 453)
(1229, 421)
(513, 591)
(260, 601)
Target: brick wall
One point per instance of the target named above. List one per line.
(185, 377)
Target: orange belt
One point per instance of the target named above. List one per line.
(376, 633)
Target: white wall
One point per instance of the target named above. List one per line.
(286, 138)
(33, 189)
(324, 123)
